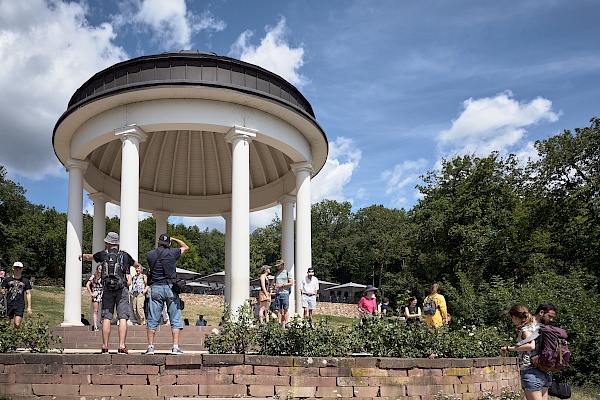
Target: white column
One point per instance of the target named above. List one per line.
(227, 282)
(287, 247)
(73, 267)
(99, 231)
(161, 217)
(240, 138)
(303, 229)
(131, 137)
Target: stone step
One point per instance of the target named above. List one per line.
(191, 338)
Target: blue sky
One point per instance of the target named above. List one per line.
(397, 85)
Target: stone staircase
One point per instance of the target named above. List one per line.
(80, 339)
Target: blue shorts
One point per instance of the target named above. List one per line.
(534, 380)
(282, 301)
(159, 296)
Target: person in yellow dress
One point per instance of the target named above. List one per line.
(441, 316)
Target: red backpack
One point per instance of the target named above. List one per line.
(553, 355)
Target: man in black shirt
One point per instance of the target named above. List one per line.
(118, 297)
(17, 289)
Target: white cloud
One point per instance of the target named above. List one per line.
(172, 24)
(401, 182)
(494, 124)
(342, 161)
(273, 53)
(47, 50)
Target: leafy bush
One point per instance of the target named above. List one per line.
(33, 335)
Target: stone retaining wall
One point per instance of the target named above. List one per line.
(90, 376)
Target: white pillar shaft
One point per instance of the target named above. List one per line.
(227, 291)
(287, 246)
(240, 216)
(99, 230)
(303, 228)
(161, 218)
(130, 188)
(73, 267)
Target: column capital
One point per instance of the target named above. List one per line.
(161, 214)
(131, 131)
(226, 215)
(288, 198)
(98, 197)
(76, 163)
(302, 166)
(240, 132)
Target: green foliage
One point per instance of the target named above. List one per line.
(507, 394)
(33, 335)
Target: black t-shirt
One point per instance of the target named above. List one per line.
(128, 261)
(15, 290)
(161, 265)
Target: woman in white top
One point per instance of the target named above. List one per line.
(533, 381)
(95, 289)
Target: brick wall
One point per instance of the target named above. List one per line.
(95, 376)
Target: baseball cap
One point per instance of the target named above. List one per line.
(112, 238)
(311, 271)
(18, 264)
(265, 267)
(164, 239)
(279, 262)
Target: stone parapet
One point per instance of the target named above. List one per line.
(65, 376)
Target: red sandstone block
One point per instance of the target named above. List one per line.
(397, 372)
(332, 371)
(237, 369)
(100, 390)
(429, 390)
(145, 391)
(472, 379)
(415, 372)
(352, 381)
(314, 381)
(284, 392)
(119, 379)
(393, 392)
(261, 390)
(21, 369)
(433, 380)
(142, 369)
(185, 359)
(178, 390)
(275, 361)
(100, 369)
(398, 363)
(363, 391)
(204, 379)
(37, 378)
(223, 390)
(8, 378)
(266, 370)
(299, 371)
(433, 372)
(462, 362)
(14, 389)
(489, 386)
(335, 392)
(260, 379)
(58, 369)
(188, 371)
(161, 380)
(222, 359)
(389, 380)
(75, 379)
(55, 390)
(365, 362)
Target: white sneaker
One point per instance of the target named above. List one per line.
(150, 350)
(176, 350)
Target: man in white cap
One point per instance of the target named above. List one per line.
(17, 288)
(116, 280)
(310, 290)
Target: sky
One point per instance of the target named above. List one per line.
(397, 85)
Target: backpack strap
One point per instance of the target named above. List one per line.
(530, 338)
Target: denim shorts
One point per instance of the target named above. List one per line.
(282, 301)
(159, 296)
(534, 380)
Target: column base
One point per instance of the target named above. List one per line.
(69, 324)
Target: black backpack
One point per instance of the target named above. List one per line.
(112, 271)
(429, 307)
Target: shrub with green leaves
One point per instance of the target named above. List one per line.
(33, 335)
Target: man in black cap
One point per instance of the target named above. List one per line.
(310, 289)
(162, 273)
(111, 297)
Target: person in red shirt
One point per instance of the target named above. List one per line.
(367, 305)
